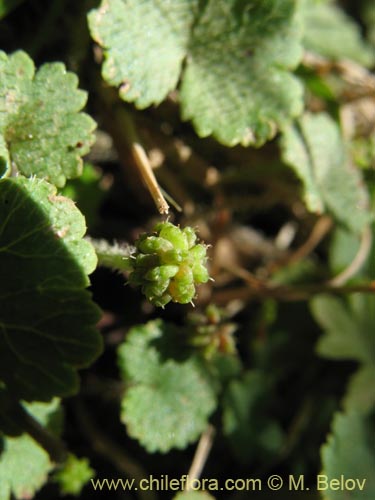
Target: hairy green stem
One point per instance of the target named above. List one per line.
(116, 256)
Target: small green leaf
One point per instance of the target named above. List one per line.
(47, 319)
(349, 334)
(74, 474)
(360, 394)
(349, 453)
(233, 59)
(40, 121)
(24, 465)
(349, 331)
(168, 401)
(314, 148)
(328, 31)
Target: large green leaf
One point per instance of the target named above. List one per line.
(145, 45)
(328, 31)
(47, 319)
(316, 151)
(232, 57)
(349, 453)
(168, 401)
(24, 465)
(40, 121)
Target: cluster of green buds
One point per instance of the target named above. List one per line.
(168, 264)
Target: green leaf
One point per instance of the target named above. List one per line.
(236, 85)
(40, 121)
(314, 148)
(156, 35)
(343, 248)
(349, 334)
(233, 59)
(349, 452)
(168, 401)
(24, 465)
(47, 319)
(246, 421)
(328, 31)
(360, 394)
(349, 331)
(74, 474)
(7, 5)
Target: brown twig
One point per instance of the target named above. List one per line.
(288, 293)
(355, 75)
(200, 456)
(319, 231)
(357, 262)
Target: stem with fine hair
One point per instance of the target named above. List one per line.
(116, 256)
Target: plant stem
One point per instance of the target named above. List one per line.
(200, 456)
(115, 256)
(53, 445)
(288, 293)
(358, 261)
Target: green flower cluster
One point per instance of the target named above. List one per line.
(168, 264)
